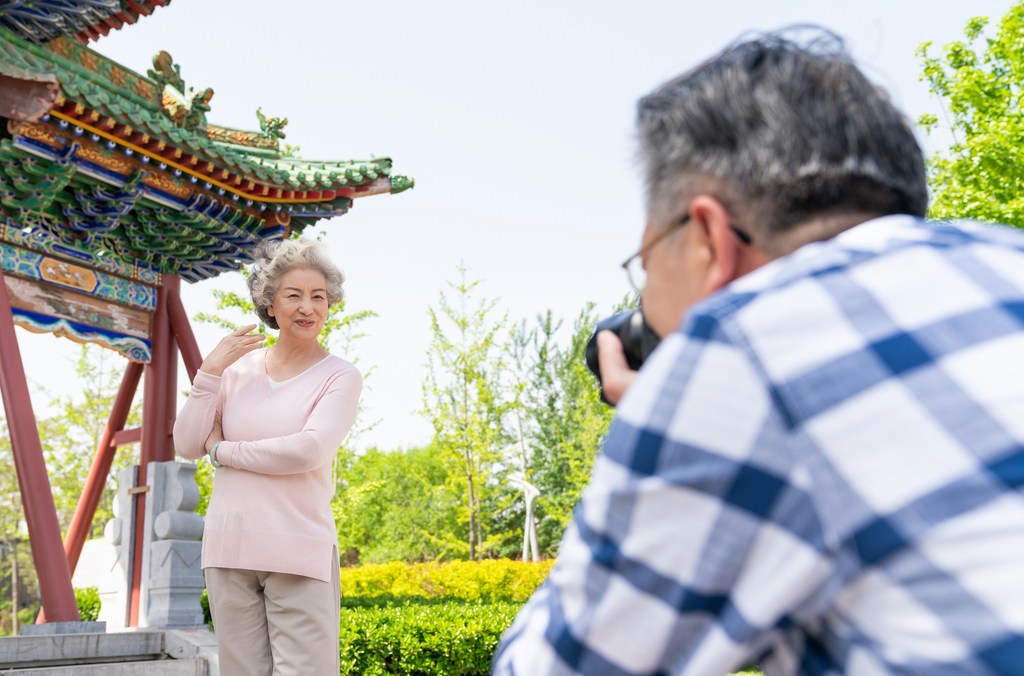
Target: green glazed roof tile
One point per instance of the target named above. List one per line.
(88, 77)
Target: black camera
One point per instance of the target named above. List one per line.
(638, 341)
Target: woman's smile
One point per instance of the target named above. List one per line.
(301, 302)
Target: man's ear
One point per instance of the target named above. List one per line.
(708, 214)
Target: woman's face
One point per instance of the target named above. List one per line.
(300, 303)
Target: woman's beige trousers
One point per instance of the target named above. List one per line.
(275, 624)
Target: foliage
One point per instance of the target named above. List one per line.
(70, 436)
(413, 505)
(204, 479)
(28, 600)
(29, 613)
(11, 514)
(69, 439)
(410, 637)
(564, 419)
(389, 503)
(462, 400)
(204, 602)
(980, 90)
(88, 600)
(570, 432)
(489, 580)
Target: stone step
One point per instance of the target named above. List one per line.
(66, 649)
(146, 668)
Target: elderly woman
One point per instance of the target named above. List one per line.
(272, 420)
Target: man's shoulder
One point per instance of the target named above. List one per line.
(872, 312)
(883, 277)
(881, 241)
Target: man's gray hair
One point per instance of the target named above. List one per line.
(275, 257)
(790, 131)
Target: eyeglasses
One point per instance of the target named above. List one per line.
(634, 265)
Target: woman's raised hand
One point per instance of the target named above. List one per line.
(231, 348)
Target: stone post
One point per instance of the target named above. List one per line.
(115, 587)
(172, 577)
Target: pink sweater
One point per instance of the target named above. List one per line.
(271, 503)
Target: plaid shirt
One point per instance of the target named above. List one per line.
(820, 471)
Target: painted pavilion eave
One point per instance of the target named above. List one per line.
(84, 21)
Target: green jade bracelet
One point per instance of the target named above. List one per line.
(213, 455)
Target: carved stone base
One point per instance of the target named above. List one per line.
(172, 573)
(171, 580)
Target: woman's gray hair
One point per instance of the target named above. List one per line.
(791, 130)
(274, 257)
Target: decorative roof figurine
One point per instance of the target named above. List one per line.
(271, 127)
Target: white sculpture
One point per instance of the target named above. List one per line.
(115, 586)
(530, 495)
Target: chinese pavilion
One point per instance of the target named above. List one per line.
(113, 188)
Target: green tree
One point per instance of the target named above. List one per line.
(978, 83)
(462, 399)
(71, 435)
(69, 439)
(576, 430)
(565, 422)
(14, 546)
(392, 504)
(533, 356)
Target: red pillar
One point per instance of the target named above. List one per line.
(81, 522)
(183, 332)
(172, 283)
(40, 513)
(156, 433)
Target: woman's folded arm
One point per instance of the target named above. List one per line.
(309, 449)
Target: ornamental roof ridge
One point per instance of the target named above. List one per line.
(97, 83)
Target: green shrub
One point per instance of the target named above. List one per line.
(88, 600)
(28, 615)
(204, 602)
(489, 580)
(421, 636)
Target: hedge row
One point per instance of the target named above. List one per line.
(421, 636)
(489, 580)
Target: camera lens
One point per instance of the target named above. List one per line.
(638, 341)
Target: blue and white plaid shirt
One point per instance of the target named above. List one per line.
(820, 471)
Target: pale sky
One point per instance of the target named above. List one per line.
(516, 120)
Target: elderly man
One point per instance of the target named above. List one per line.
(820, 470)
